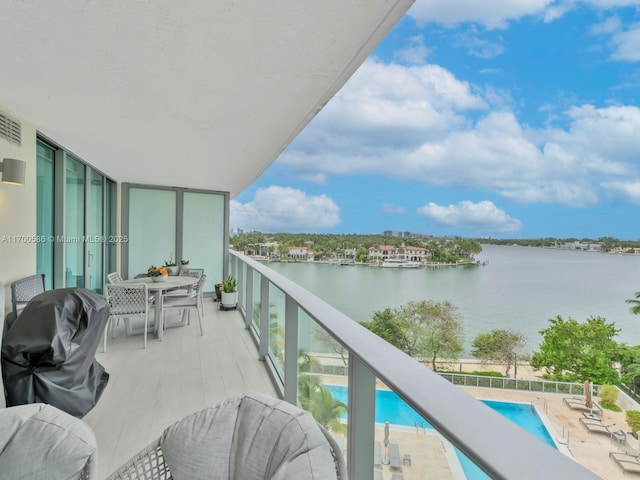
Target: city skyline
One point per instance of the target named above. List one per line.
(507, 119)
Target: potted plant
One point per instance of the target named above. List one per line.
(171, 265)
(229, 293)
(157, 274)
(184, 265)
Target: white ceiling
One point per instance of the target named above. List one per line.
(200, 93)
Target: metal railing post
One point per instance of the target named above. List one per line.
(291, 350)
(249, 296)
(361, 420)
(264, 317)
(240, 279)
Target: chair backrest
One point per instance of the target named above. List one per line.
(192, 272)
(127, 299)
(200, 285)
(25, 289)
(242, 431)
(114, 277)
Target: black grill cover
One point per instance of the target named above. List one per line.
(48, 353)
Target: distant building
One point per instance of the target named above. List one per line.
(385, 252)
(298, 253)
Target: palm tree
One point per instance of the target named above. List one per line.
(318, 400)
(635, 308)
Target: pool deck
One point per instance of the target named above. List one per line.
(433, 458)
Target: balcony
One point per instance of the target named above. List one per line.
(150, 389)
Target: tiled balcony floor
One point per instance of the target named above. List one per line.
(150, 389)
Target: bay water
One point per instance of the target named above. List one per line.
(518, 288)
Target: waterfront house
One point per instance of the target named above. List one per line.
(138, 122)
(381, 253)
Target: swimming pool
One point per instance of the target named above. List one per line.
(391, 408)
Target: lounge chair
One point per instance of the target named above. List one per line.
(595, 426)
(628, 463)
(580, 404)
(397, 476)
(619, 435)
(394, 456)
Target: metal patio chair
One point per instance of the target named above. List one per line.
(127, 301)
(24, 290)
(114, 277)
(192, 300)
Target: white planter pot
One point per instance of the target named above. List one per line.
(173, 270)
(229, 299)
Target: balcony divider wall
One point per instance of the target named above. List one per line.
(500, 448)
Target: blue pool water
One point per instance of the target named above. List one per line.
(391, 408)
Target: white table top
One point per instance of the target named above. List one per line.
(172, 281)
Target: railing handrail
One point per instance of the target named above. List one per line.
(499, 447)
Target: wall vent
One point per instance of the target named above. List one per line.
(10, 129)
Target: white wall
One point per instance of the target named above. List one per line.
(18, 210)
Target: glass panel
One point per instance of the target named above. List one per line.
(256, 301)
(243, 305)
(74, 225)
(95, 246)
(276, 328)
(322, 378)
(152, 228)
(203, 234)
(45, 212)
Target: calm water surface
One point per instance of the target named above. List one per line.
(519, 288)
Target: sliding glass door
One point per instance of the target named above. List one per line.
(76, 220)
(177, 224)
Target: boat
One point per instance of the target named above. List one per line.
(400, 263)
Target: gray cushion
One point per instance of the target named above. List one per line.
(38, 441)
(252, 437)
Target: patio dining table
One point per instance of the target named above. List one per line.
(162, 287)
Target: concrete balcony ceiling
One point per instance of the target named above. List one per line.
(199, 94)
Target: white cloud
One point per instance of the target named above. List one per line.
(424, 132)
(387, 106)
(392, 209)
(284, 209)
(482, 216)
(497, 14)
(625, 45)
(415, 52)
(626, 190)
(478, 46)
(608, 26)
(492, 14)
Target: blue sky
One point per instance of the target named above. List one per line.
(502, 118)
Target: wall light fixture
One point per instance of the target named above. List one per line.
(13, 171)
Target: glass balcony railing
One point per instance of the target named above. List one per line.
(330, 365)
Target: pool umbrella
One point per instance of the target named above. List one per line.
(588, 400)
(385, 460)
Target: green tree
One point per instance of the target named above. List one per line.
(631, 376)
(576, 351)
(635, 304)
(421, 329)
(498, 345)
(384, 324)
(318, 400)
(329, 344)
